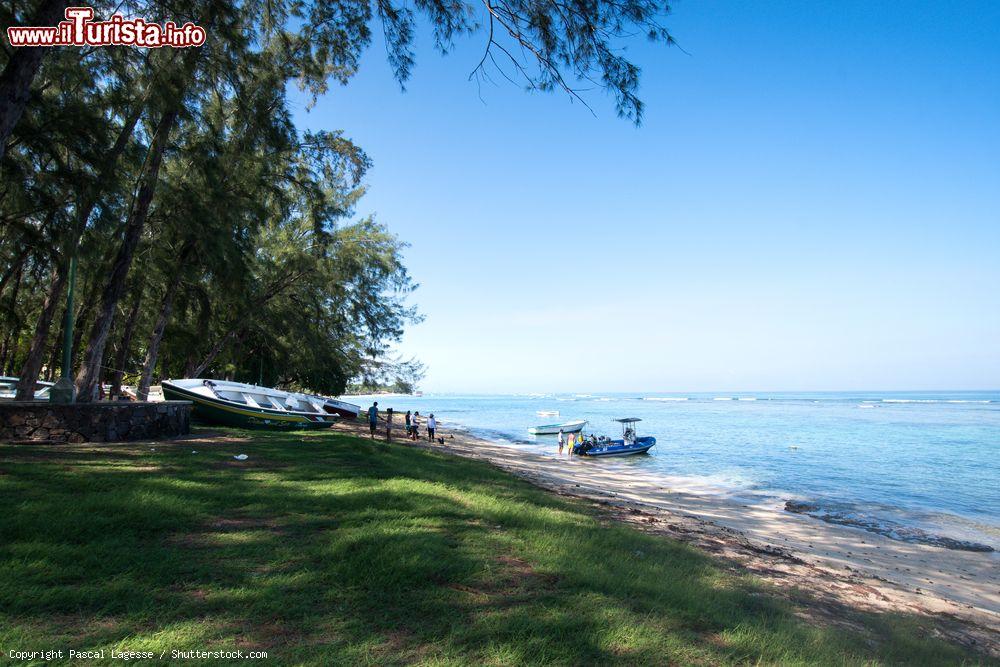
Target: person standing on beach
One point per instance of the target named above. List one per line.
(408, 423)
(431, 427)
(562, 440)
(415, 433)
(572, 442)
(388, 425)
(373, 418)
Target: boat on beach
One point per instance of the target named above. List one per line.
(574, 426)
(8, 389)
(250, 406)
(628, 445)
(337, 407)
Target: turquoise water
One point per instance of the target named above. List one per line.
(917, 466)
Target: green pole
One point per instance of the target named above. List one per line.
(64, 391)
(67, 359)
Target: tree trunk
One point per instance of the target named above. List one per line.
(213, 353)
(82, 315)
(90, 370)
(15, 82)
(272, 292)
(204, 319)
(50, 375)
(108, 166)
(10, 345)
(161, 322)
(121, 358)
(15, 266)
(33, 364)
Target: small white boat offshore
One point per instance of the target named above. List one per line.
(547, 413)
(247, 405)
(8, 389)
(574, 426)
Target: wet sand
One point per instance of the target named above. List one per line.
(838, 564)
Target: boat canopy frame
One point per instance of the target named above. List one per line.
(628, 428)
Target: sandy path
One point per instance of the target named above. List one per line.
(839, 564)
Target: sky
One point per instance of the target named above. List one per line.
(812, 202)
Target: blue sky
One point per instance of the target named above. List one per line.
(812, 203)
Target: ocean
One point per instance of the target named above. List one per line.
(915, 466)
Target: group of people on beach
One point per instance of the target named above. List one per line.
(568, 440)
(411, 423)
(577, 443)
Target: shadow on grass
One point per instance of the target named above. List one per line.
(324, 548)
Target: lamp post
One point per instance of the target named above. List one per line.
(64, 391)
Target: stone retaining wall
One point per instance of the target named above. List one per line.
(93, 422)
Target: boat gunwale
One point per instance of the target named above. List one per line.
(243, 406)
(571, 423)
(271, 392)
(623, 449)
(619, 452)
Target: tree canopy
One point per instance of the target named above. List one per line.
(213, 236)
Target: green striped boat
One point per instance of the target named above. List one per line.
(250, 406)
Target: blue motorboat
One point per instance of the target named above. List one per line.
(628, 444)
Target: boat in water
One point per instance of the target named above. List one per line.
(8, 389)
(574, 426)
(250, 406)
(547, 413)
(628, 444)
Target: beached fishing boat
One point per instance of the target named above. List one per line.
(8, 389)
(250, 406)
(340, 408)
(574, 426)
(628, 445)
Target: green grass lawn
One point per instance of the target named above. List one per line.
(328, 549)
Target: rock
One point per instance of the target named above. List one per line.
(799, 508)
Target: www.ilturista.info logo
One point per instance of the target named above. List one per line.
(79, 29)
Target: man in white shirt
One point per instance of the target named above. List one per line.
(415, 432)
(431, 427)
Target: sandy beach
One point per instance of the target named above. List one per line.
(840, 566)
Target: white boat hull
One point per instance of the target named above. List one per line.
(8, 389)
(553, 429)
(245, 405)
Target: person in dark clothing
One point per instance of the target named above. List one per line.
(373, 418)
(408, 423)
